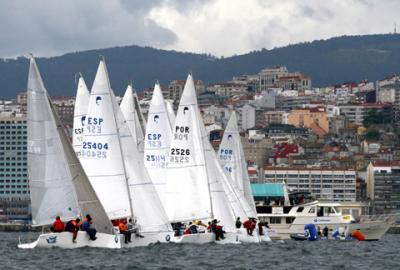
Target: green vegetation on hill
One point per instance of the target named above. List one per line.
(328, 62)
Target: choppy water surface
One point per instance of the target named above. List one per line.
(291, 255)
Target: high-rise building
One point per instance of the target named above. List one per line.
(383, 186)
(14, 185)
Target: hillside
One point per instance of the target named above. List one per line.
(340, 59)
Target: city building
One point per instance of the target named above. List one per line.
(356, 113)
(14, 184)
(337, 184)
(279, 77)
(383, 186)
(228, 89)
(175, 89)
(315, 119)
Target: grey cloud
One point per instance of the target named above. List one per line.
(49, 27)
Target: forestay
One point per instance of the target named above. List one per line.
(147, 208)
(231, 157)
(80, 110)
(51, 190)
(101, 150)
(157, 141)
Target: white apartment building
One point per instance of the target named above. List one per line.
(324, 184)
(247, 117)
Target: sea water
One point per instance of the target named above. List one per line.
(290, 254)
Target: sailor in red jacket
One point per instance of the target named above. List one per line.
(250, 225)
(58, 225)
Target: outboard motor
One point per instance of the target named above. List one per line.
(310, 231)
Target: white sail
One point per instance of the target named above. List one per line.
(139, 113)
(80, 110)
(51, 190)
(87, 198)
(101, 150)
(157, 141)
(131, 116)
(148, 211)
(194, 190)
(171, 113)
(231, 157)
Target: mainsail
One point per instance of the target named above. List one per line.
(194, 190)
(231, 157)
(157, 141)
(57, 181)
(80, 110)
(131, 115)
(101, 150)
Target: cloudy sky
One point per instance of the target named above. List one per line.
(219, 27)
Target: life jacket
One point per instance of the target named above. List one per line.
(58, 226)
(247, 224)
(187, 231)
(121, 227)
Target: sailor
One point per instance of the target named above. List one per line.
(72, 226)
(250, 225)
(124, 230)
(325, 232)
(238, 223)
(217, 229)
(86, 226)
(58, 225)
(260, 228)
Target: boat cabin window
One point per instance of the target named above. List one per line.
(264, 209)
(289, 220)
(300, 209)
(286, 209)
(324, 211)
(275, 220)
(312, 210)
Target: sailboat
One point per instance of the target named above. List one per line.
(132, 114)
(58, 183)
(233, 161)
(116, 169)
(157, 141)
(194, 189)
(80, 110)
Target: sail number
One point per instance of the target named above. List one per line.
(180, 152)
(93, 145)
(93, 124)
(156, 161)
(179, 155)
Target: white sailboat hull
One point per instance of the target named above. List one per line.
(207, 237)
(255, 238)
(64, 240)
(147, 239)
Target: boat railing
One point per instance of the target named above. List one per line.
(388, 218)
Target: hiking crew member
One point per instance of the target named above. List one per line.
(58, 225)
(72, 226)
(238, 223)
(86, 226)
